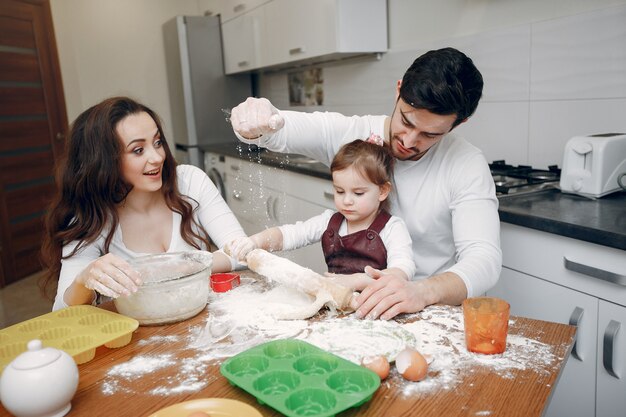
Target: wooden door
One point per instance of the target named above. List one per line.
(33, 123)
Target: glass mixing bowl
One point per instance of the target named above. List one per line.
(175, 287)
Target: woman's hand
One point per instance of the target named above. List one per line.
(111, 276)
(240, 247)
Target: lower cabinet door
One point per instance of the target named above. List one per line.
(291, 211)
(574, 394)
(611, 381)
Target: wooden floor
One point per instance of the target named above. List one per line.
(21, 301)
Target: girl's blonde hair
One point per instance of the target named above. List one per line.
(373, 162)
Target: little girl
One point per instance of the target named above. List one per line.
(361, 232)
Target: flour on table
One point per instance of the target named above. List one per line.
(246, 317)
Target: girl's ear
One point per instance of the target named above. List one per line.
(385, 189)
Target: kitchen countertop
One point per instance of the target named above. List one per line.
(522, 391)
(601, 221)
(290, 162)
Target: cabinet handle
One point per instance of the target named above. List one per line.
(267, 208)
(239, 8)
(234, 168)
(242, 63)
(608, 347)
(236, 195)
(574, 320)
(297, 50)
(595, 272)
(329, 195)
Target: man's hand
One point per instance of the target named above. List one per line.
(256, 117)
(391, 295)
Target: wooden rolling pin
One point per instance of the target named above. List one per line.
(289, 273)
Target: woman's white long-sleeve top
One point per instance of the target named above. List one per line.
(212, 213)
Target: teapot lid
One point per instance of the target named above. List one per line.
(36, 356)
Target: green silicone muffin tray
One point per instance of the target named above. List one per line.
(78, 330)
(299, 379)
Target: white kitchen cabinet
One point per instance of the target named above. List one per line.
(538, 281)
(243, 35)
(230, 9)
(611, 377)
(538, 299)
(298, 32)
(263, 197)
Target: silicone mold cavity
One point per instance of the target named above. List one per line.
(277, 383)
(248, 365)
(299, 379)
(78, 330)
(311, 402)
(316, 364)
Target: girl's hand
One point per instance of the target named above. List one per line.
(111, 276)
(240, 247)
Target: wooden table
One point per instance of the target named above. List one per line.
(525, 394)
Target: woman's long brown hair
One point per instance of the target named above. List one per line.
(90, 186)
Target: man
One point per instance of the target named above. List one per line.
(443, 187)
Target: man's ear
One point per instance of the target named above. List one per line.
(385, 189)
(398, 84)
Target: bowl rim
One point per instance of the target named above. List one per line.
(144, 259)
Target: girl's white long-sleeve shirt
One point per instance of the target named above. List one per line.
(447, 198)
(394, 235)
(211, 212)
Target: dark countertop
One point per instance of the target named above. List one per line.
(601, 221)
(290, 162)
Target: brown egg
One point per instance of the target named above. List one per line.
(378, 364)
(199, 414)
(411, 365)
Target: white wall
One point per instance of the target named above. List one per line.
(115, 47)
(552, 70)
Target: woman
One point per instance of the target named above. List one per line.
(121, 195)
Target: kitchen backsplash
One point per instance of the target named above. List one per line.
(544, 83)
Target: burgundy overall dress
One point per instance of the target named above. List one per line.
(353, 252)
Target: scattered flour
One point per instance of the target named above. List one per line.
(245, 317)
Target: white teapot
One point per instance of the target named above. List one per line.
(39, 382)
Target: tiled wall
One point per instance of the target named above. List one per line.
(544, 83)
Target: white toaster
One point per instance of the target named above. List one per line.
(595, 165)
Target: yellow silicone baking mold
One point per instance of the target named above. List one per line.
(77, 330)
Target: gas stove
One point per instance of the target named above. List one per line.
(511, 179)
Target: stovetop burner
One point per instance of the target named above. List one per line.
(511, 179)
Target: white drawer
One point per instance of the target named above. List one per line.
(545, 255)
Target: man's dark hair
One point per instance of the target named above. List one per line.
(443, 81)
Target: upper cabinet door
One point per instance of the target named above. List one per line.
(299, 29)
(230, 9)
(242, 39)
(296, 32)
